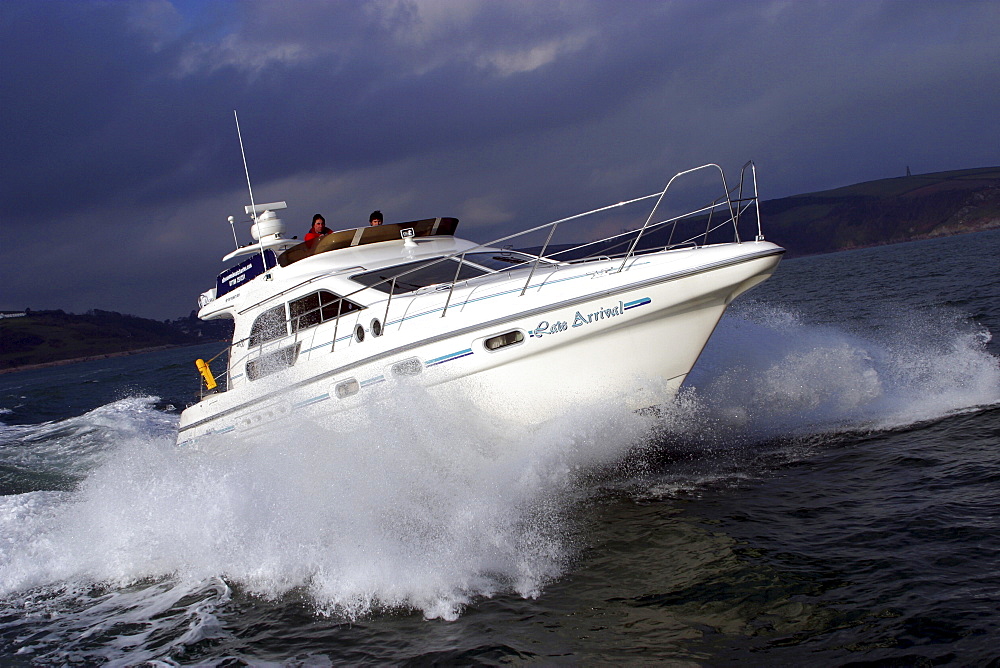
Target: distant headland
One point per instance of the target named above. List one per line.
(873, 213)
(30, 339)
(887, 211)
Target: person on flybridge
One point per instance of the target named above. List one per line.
(375, 218)
(317, 231)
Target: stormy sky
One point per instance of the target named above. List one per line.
(121, 161)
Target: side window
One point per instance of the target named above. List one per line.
(272, 362)
(269, 325)
(305, 312)
(318, 307)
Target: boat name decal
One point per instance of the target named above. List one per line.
(581, 319)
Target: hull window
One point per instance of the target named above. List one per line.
(504, 340)
(273, 362)
(359, 333)
(376, 328)
(408, 367)
(347, 388)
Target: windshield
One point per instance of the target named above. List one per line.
(417, 275)
(423, 273)
(497, 260)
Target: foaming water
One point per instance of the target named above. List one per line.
(426, 511)
(75, 445)
(765, 373)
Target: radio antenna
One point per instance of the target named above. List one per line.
(253, 206)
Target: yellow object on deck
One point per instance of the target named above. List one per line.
(206, 373)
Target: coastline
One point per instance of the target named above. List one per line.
(88, 358)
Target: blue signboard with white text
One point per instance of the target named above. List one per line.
(247, 270)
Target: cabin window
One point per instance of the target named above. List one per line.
(376, 327)
(318, 307)
(269, 325)
(414, 275)
(272, 362)
(503, 340)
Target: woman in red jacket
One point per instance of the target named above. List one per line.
(318, 230)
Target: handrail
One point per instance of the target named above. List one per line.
(754, 199)
(664, 193)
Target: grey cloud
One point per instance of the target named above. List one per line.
(119, 115)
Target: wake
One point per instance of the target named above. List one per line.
(768, 374)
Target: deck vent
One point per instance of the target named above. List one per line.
(503, 340)
(347, 388)
(407, 367)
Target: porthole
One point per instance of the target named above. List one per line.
(359, 333)
(407, 367)
(347, 388)
(503, 340)
(376, 327)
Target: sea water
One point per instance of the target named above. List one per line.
(823, 490)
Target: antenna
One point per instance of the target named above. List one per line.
(253, 206)
(245, 168)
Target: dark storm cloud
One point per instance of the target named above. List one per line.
(142, 108)
(118, 127)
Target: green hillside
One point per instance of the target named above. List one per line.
(885, 211)
(42, 337)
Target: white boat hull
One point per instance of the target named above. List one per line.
(636, 361)
(627, 336)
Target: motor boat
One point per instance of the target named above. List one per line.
(523, 330)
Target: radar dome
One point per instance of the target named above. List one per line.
(268, 224)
